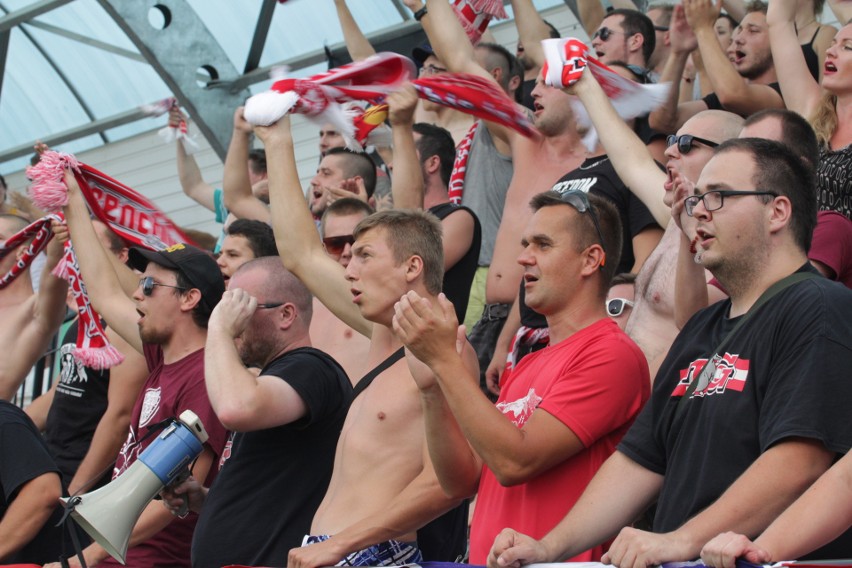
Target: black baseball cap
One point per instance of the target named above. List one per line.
(199, 268)
(421, 52)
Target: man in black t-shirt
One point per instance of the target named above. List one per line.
(276, 466)
(29, 492)
(729, 448)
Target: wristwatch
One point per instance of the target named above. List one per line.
(418, 15)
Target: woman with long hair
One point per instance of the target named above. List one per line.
(828, 107)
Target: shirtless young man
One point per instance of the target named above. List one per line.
(652, 323)
(29, 319)
(383, 487)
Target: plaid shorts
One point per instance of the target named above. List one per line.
(388, 553)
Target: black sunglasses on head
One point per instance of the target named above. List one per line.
(580, 201)
(685, 141)
(334, 246)
(147, 284)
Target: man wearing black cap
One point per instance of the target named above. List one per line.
(166, 321)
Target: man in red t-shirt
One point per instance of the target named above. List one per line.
(563, 409)
(166, 321)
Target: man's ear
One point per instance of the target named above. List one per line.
(413, 268)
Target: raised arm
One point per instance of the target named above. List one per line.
(407, 185)
(671, 115)
(125, 382)
(52, 294)
(842, 10)
(357, 45)
(532, 29)
(735, 93)
(189, 175)
(629, 155)
(242, 401)
(453, 48)
(801, 91)
(103, 285)
(296, 233)
(591, 13)
(236, 186)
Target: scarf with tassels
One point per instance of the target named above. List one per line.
(92, 348)
(130, 215)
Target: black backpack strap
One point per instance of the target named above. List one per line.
(367, 379)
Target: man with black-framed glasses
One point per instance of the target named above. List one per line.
(744, 415)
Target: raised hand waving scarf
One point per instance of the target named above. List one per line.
(565, 61)
(129, 214)
(321, 97)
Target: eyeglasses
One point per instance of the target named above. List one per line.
(335, 246)
(715, 199)
(580, 201)
(685, 141)
(605, 33)
(147, 283)
(661, 28)
(615, 306)
(432, 70)
(270, 305)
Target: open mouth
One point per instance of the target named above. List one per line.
(599, 53)
(829, 67)
(703, 237)
(739, 56)
(529, 279)
(670, 175)
(356, 295)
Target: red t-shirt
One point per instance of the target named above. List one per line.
(168, 391)
(595, 382)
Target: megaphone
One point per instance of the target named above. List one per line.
(109, 513)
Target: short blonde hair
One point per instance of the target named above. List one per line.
(411, 232)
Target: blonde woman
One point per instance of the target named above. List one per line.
(827, 106)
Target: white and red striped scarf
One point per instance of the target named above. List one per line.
(456, 188)
(321, 96)
(129, 214)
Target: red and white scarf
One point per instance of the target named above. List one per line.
(456, 188)
(172, 131)
(321, 96)
(475, 15)
(565, 61)
(129, 214)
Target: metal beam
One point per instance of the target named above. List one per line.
(74, 36)
(398, 33)
(4, 52)
(404, 13)
(95, 127)
(62, 77)
(12, 19)
(176, 52)
(264, 20)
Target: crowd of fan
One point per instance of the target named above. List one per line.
(635, 354)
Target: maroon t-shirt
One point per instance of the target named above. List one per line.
(168, 391)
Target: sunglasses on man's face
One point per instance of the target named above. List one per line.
(615, 306)
(605, 33)
(335, 246)
(147, 284)
(685, 142)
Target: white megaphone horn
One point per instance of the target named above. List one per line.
(109, 514)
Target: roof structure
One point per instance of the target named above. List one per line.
(73, 73)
